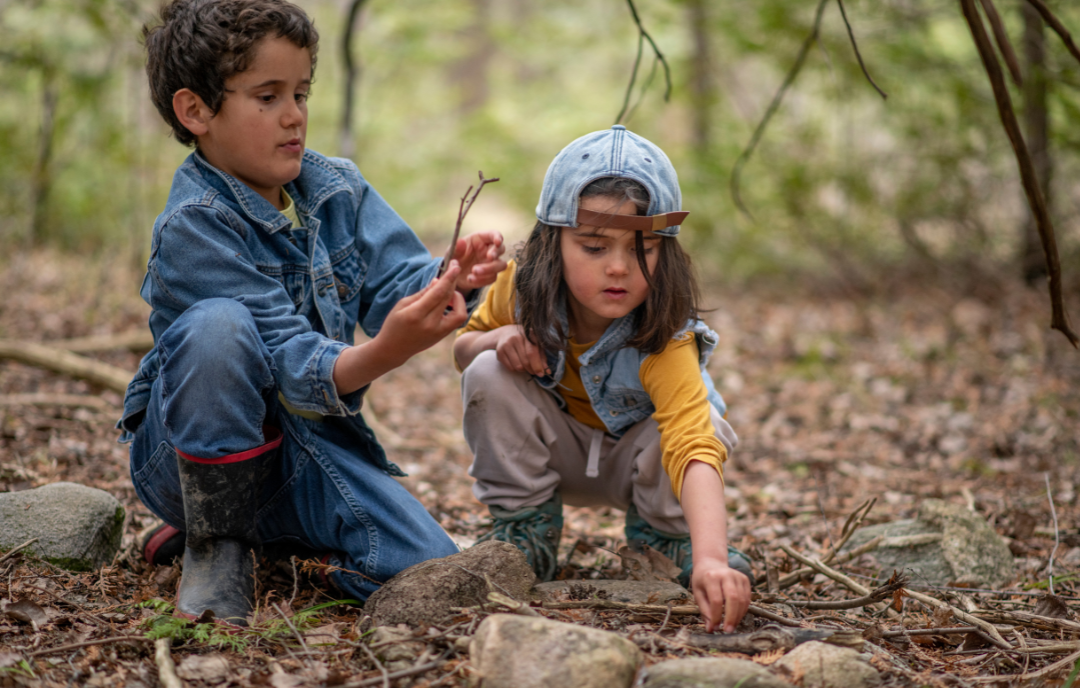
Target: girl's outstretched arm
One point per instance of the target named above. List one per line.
(721, 592)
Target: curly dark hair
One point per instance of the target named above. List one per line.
(674, 297)
(199, 44)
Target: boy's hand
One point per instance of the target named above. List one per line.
(720, 592)
(516, 352)
(419, 321)
(479, 256)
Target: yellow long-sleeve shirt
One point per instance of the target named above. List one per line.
(672, 379)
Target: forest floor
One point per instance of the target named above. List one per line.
(923, 393)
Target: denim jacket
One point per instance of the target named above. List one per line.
(609, 372)
(307, 288)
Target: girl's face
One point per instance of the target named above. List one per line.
(601, 271)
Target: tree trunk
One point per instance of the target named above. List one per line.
(1037, 132)
(702, 83)
(471, 73)
(42, 176)
(346, 139)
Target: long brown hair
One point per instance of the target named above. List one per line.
(674, 297)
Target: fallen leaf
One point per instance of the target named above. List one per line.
(209, 668)
(25, 611)
(8, 659)
(1052, 606)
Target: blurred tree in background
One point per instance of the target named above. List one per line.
(842, 183)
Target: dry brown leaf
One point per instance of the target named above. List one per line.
(26, 611)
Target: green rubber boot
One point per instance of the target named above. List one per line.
(535, 530)
(677, 547)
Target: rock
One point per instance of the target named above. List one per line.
(510, 651)
(945, 544)
(711, 672)
(827, 666)
(77, 527)
(425, 593)
(629, 591)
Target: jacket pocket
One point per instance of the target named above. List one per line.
(349, 270)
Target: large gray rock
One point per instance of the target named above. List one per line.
(425, 593)
(77, 527)
(629, 591)
(710, 672)
(828, 666)
(945, 543)
(510, 651)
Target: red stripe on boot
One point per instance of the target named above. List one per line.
(268, 431)
(163, 535)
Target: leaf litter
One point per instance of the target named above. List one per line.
(921, 393)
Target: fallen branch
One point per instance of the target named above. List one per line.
(984, 626)
(132, 340)
(66, 363)
(88, 643)
(1022, 679)
(12, 552)
(83, 400)
(392, 676)
(772, 638)
(1054, 23)
(166, 668)
(876, 595)
(1036, 200)
(681, 610)
(511, 604)
(1032, 620)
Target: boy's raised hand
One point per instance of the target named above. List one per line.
(721, 592)
(480, 258)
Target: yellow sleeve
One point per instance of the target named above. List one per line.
(673, 381)
(497, 308)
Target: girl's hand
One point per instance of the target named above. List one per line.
(419, 321)
(479, 256)
(720, 592)
(516, 352)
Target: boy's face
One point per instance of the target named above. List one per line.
(258, 134)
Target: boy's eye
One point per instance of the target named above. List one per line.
(302, 97)
(267, 98)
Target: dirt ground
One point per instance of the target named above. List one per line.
(922, 392)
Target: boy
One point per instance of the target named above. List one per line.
(245, 416)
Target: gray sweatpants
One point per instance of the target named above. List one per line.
(525, 447)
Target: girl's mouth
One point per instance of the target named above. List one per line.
(615, 292)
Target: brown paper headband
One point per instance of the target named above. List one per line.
(640, 223)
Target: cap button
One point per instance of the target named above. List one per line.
(617, 126)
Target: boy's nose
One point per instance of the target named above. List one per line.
(293, 115)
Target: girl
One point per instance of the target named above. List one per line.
(584, 375)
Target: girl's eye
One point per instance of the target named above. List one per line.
(592, 249)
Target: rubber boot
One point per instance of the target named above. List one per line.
(221, 500)
(162, 544)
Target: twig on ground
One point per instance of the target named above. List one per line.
(858, 55)
(412, 671)
(66, 363)
(994, 635)
(1057, 534)
(88, 643)
(84, 400)
(790, 579)
(132, 340)
(511, 604)
(166, 668)
(876, 595)
(12, 552)
(292, 628)
(378, 665)
(1046, 672)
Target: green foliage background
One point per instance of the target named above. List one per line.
(457, 86)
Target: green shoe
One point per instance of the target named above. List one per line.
(677, 547)
(535, 530)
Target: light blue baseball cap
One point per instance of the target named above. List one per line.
(613, 152)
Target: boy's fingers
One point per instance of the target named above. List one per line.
(437, 294)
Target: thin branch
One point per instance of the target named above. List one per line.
(348, 149)
(744, 157)
(793, 577)
(1002, 40)
(412, 671)
(1057, 26)
(88, 643)
(292, 628)
(643, 35)
(1057, 534)
(986, 627)
(463, 210)
(11, 552)
(876, 595)
(166, 668)
(66, 363)
(858, 55)
(1059, 320)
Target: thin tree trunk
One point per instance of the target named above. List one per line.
(471, 73)
(41, 182)
(1037, 132)
(702, 84)
(346, 139)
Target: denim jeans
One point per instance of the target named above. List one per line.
(215, 391)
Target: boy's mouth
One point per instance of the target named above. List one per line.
(293, 146)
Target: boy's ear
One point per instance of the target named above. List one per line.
(192, 112)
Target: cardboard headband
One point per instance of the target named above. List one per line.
(640, 223)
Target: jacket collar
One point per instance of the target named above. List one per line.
(318, 181)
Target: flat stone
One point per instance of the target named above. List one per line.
(945, 544)
(710, 672)
(628, 591)
(426, 592)
(77, 527)
(828, 666)
(510, 651)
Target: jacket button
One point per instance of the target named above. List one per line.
(596, 379)
(322, 290)
(342, 291)
(614, 413)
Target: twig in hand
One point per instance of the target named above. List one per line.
(736, 172)
(858, 55)
(1036, 200)
(463, 210)
(166, 668)
(643, 36)
(12, 552)
(1057, 26)
(1002, 40)
(1057, 534)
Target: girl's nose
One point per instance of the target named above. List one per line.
(619, 264)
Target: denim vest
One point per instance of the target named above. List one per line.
(610, 373)
(307, 288)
